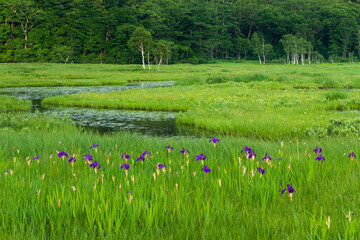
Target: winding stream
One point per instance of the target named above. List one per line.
(153, 123)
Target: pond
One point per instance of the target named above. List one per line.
(152, 123)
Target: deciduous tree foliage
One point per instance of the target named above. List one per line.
(100, 31)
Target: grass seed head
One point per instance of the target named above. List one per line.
(348, 216)
(328, 222)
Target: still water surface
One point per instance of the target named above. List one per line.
(153, 123)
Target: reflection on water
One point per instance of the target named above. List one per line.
(37, 94)
(106, 120)
(151, 123)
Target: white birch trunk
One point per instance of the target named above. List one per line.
(160, 61)
(143, 57)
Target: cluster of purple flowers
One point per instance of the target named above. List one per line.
(249, 152)
(95, 164)
(214, 140)
(142, 156)
(184, 151)
(200, 157)
(126, 166)
(94, 146)
(289, 188)
(169, 148)
(71, 159)
(262, 171)
(88, 157)
(267, 158)
(206, 169)
(318, 151)
(161, 166)
(62, 154)
(65, 155)
(352, 155)
(125, 155)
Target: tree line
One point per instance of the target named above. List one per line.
(179, 31)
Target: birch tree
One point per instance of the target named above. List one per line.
(259, 46)
(286, 41)
(296, 46)
(141, 41)
(162, 51)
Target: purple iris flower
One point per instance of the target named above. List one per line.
(214, 140)
(161, 166)
(126, 166)
(279, 159)
(262, 171)
(62, 153)
(317, 150)
(267, 157)
(289, 188)
(141, 157)
(95, 164)
(206, 169)
(169, 147)
(184, 150)
(88, 157)
(128, 191)
(71, 159)
(319, 158)
(246, 149)
(37, 157)
(352, 155)
(94, 146)
(200, 157)
(340, 123)
(146, 152)
(125, 155)
(249, 151)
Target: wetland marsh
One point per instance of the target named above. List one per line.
(271, 121)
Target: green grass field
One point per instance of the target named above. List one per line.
(12, 104)
(232, 201)
(242, 109)
(313, 76)
(45, 196)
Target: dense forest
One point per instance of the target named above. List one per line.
(176, 31)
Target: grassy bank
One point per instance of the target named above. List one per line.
(246, 109)
(12, 104)
(51, 197)
(313, 76)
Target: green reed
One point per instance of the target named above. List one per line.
(12, 104)
(51, 198)
(308, 76)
